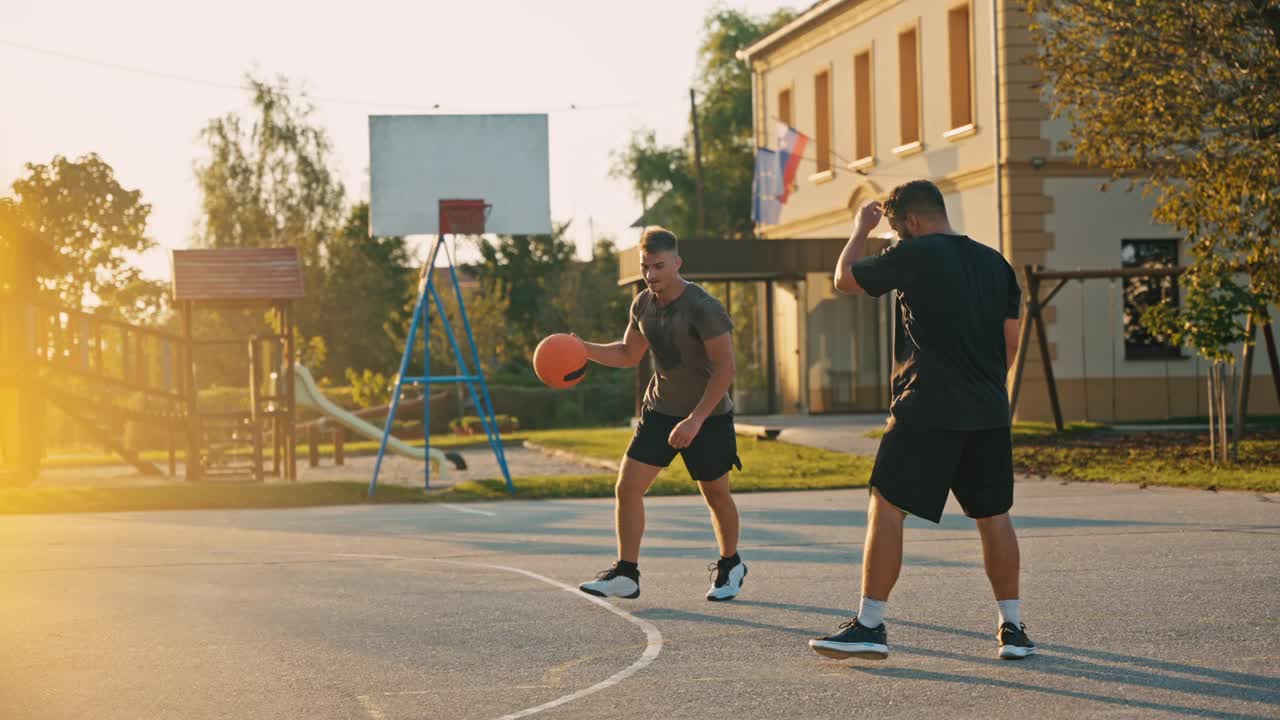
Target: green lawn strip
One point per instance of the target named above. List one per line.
(1255, 421)
(1024, 430)
(766, 464)
(440, 442)
(1091, 452)
(1187, 466)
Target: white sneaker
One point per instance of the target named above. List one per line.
(726, 579)
(609, 583)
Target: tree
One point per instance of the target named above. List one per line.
(270, 184)
(526, 271)
(267, 182)
(487, 313)
(725, 124)
(1184, 98)
(589, 301)
(95, 226)
(366, 279)
(650, 168)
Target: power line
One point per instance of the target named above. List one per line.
(238, 87)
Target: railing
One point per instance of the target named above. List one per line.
(93, 347)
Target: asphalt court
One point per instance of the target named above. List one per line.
(1147, 603)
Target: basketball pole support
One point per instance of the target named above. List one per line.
(428, 295)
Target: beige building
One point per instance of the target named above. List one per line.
(892, 90)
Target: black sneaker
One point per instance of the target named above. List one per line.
(727, 578)
(613, 583)
(1014, 643)
(854, 640)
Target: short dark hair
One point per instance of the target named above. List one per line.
(918, 197)
(659, 239)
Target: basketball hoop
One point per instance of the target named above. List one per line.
(463, 217)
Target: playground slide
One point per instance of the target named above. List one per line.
(308, 396)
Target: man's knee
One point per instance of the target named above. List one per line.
(634, 479)
(994, 522)
(716, 492)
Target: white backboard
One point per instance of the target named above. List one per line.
(417, 160)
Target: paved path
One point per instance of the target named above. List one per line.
(842, 433)
(396, 470)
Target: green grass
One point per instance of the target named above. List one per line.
(1092, 452)
(1027, 429)
(766, 464)
(1255, 421)
(1161, 458)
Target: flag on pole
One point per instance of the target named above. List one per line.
(766, 186)
(791, 144)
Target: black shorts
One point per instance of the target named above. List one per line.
(916, 467)
(711, 454)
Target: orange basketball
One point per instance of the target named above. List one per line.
(560, 360)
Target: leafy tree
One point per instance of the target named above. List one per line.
(267, 182)
(589, 301)
(366, 279)
(526, 270)
(95, 226)
(1184, 96)
(486, 311)
(725, 129)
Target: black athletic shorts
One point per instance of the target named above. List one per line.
(711, 454)
(916, 466)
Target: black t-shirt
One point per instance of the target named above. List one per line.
(954, 296)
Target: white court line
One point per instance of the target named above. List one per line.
(651, 650)
(459, 508)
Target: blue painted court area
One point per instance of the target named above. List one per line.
(1146, 603)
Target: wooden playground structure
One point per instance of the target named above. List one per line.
(105, 374)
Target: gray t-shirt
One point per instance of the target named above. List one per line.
(676, 333)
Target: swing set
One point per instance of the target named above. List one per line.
(1037, 277)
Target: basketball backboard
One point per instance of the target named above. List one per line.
(417, 160)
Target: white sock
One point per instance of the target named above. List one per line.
(1010, 611)
(871, 612)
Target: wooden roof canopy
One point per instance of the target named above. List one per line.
(237, 275)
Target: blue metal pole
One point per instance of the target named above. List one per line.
(495, 439)
(426, 387)
(395, 393)
(487, 419)
(400, 376)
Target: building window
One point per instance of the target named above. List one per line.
(862, 113)
(784, 107)
(909, 87)
(1141, 293)
(822, 123)
(960, 47)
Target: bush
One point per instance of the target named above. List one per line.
(369, 388)
(472, 425)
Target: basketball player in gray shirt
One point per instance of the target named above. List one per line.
(687, 412)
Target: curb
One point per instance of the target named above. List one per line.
(572, 457)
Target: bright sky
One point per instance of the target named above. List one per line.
(375, 57)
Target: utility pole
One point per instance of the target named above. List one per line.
(697, 158)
